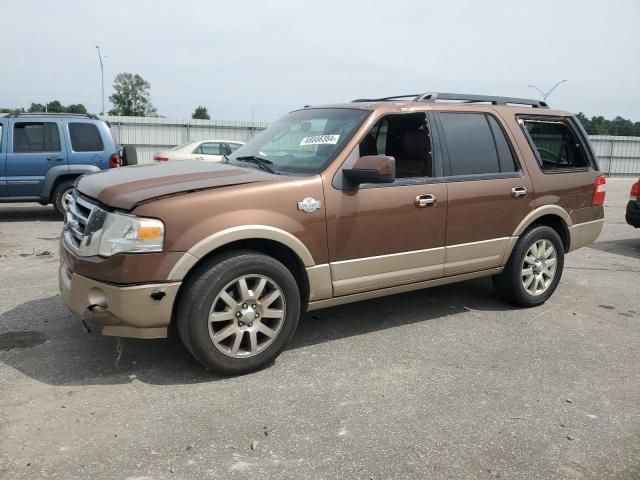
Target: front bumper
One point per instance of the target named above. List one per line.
(633, 213)
(138, 311)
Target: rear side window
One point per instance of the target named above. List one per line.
(476, 144)
(211, 149)
(234, 146)
(85, 137)
(557, 146)
(29, 137)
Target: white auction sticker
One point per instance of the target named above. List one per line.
(320, 140)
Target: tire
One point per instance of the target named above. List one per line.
(250, 330)
(511, 283)
(59, 196)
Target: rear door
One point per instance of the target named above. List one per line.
(488, 192)
(211, 151)
(3, 157)
(85, 145)
(34, 147)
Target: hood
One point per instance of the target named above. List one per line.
(127, 187)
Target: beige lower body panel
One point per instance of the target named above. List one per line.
(371, 273)
(472, 257)
(127, 311)
(356, 297)
(582, 234)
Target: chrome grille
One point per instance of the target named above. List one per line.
(78, 217)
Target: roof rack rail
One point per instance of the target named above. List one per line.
(432, 97)
(52, 114)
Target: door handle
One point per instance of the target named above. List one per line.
(422, 201)
(55, 158)
(518, 192)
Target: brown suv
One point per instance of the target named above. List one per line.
(330, 205)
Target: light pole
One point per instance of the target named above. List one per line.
(102, 77)
(548, 92)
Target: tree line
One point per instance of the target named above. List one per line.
(598, 125)
(131, 97)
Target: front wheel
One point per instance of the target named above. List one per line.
(534, 269)
(61, 196)
(238, 312)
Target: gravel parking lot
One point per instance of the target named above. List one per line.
(441, 383)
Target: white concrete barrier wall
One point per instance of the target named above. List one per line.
(617, 156)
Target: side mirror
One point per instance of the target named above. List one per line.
(372, 169)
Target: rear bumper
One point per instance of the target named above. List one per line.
(138, 311)
(583, 234)
(633, 213)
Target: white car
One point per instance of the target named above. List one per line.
(207, 150)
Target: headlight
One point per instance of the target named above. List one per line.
(130, 234)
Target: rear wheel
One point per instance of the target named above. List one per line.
(534, 269)
(238, 312)
(61, 196)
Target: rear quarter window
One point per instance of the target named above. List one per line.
(556, 145)
(85, 137)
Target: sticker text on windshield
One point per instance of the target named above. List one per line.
(320, 140)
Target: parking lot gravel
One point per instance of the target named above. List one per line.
(442, 383)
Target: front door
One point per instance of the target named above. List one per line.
(489, 194)
(3, 158)
(383, 235)
(34, 148)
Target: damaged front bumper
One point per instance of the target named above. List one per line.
(138, 311)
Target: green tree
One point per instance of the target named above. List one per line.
(55, 107)
(201, 113)
(36, 107)
(76, 108)
(131, 96)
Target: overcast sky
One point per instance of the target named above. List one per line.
(275, 56)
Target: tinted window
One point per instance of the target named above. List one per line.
(36, 137)
(507, 164)
(85, 137)
(1, 125)
(558, 147)
(212, 149)
(470, 144)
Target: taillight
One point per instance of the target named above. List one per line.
(635, 190)
(599, 191)
(114, 160)
(160, 158)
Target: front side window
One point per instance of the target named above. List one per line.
(557, 146)
(211, 149)
(32, 137)
(476, 144)
(406, 138)
(85, 137)
(302, 142)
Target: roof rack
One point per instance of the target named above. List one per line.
(52, 114)
(461, 97)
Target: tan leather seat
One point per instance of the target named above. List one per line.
(413, 163)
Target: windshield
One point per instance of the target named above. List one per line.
(302, 142)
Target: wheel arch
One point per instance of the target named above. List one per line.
(552, 216)
(270, 241)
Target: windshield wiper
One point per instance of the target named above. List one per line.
(263, 163)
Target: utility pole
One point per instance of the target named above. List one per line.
(548, 92)
(102, 77)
